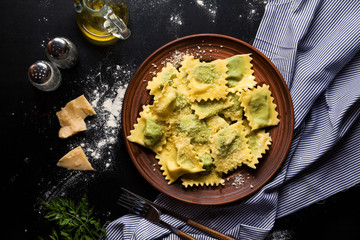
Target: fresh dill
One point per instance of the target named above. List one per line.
(73, 222)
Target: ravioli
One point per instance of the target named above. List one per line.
(167, 75)
(205, 109)
(229, 148)
(165, 103)
(216, 123)
(207, 120)
(212, 178)
(240, 74)
(258, 141)
(149, 131)
(259, 107)
(194, 128)
(178, 158)
(207, 81)
(235, 111)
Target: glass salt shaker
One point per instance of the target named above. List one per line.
(62, 52)
(44, 75)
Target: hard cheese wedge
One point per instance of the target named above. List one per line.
(72, 116)
(75, 160)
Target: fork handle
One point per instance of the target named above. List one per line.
(208, 230)
(184, 235)
(177, 231)
(197, 225)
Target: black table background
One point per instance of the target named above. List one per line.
(30, 147)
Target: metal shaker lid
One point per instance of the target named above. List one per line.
(58, 48)
(39, 72)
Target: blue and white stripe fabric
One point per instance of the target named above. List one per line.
(315, 45)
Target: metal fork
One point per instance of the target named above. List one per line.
(149, 212)
(188, 221)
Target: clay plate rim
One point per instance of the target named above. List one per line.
(210, 47)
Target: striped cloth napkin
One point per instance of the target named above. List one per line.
(315, 45)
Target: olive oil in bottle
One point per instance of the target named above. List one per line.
(91, 21)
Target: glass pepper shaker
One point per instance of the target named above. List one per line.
(62, 52)
(44, 75)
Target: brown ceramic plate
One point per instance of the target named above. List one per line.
(210, 47)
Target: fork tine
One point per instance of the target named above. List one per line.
(126, 203)
(126, 200)
(133, 205)
(132, 200)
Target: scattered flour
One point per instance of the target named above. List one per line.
(238, 180)
(46, 38)
(46, 3)
(147, 6)
(176, 19)
(106, 87)
(281, 235)
(175, 59)
(209, 6)
(43, 19)
(200, 3)
(253, 9)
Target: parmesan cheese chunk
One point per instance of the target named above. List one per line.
(75, 160)
(72, 116)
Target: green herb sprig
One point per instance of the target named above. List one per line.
(74, 222)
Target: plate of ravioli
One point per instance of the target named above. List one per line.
(207, 119)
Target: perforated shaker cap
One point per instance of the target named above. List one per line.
(58, 48)
(39, 72)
